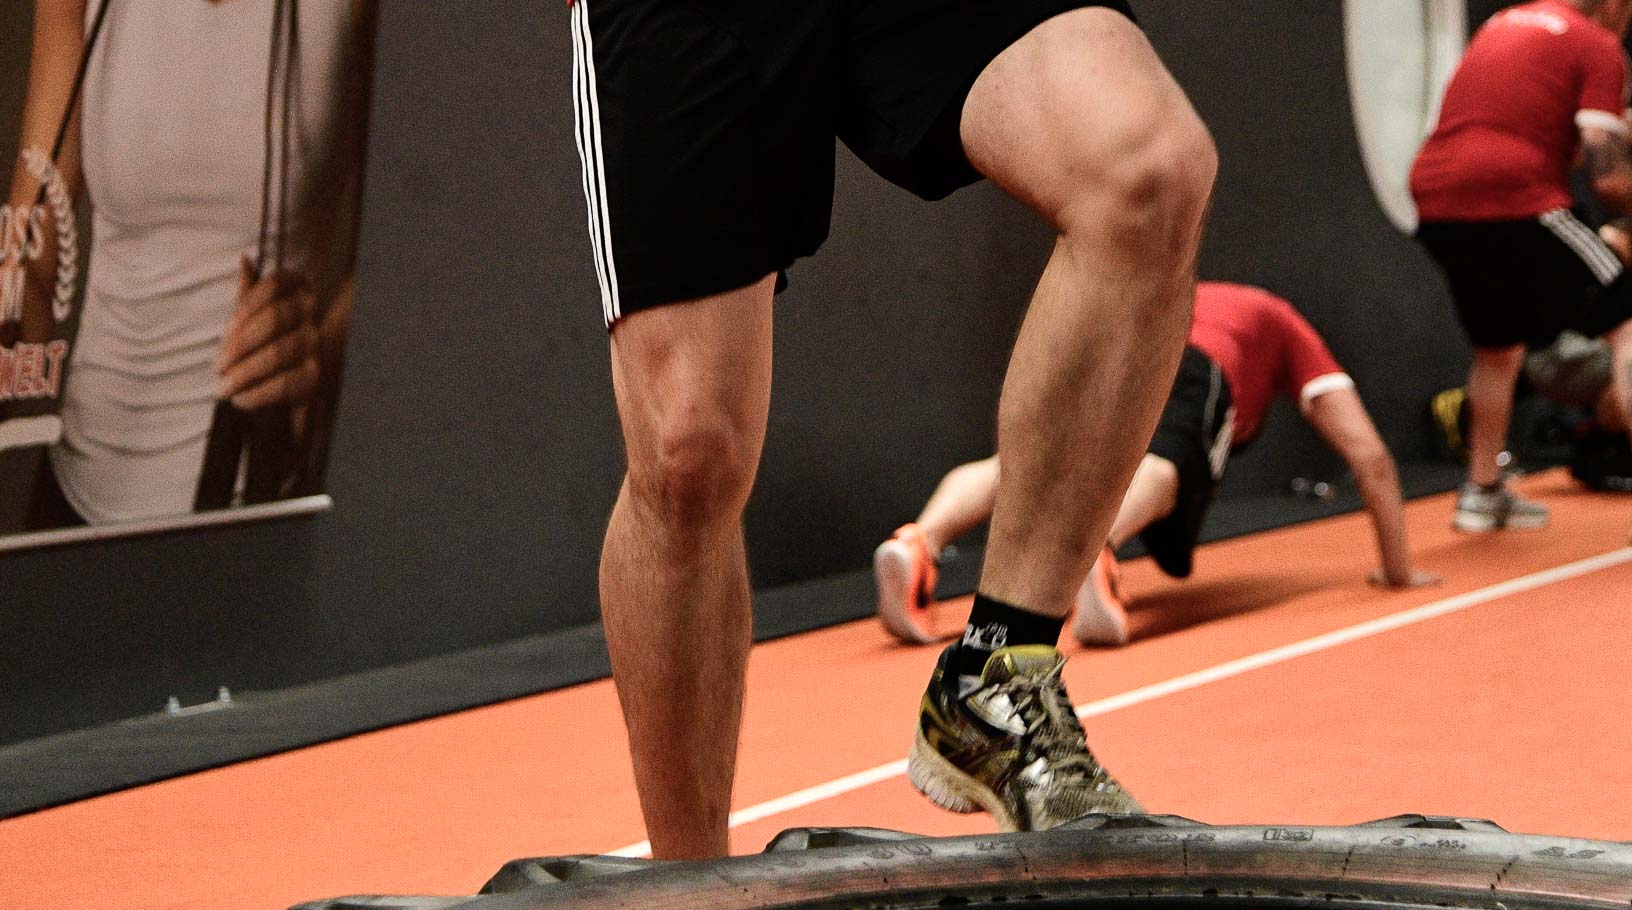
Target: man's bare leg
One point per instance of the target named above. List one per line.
(1620, 382)
(1102, 615)
(961, 502)
(1485, 503)
(1151, 497)
(1491, 380)
(1080, 121)
(693, 387)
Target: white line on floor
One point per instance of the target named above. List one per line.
(1226, 670)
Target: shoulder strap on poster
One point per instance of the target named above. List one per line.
(265, 437)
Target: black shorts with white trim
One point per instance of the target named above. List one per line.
(1196, 434)
(706, 127)
(1527, 281)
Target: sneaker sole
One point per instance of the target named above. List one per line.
(943, 784)
(1097, 623)
(1479, 523)
(1475, 523)
(892, 569)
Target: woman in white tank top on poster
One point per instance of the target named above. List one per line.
(173, 122)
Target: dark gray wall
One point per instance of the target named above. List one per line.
(477, 451)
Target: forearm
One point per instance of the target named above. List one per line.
(1380, 489)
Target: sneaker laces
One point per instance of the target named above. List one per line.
(1052, 731)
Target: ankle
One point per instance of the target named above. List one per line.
(994, 625)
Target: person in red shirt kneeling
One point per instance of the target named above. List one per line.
(1246, 345)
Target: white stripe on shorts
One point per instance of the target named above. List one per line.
(1218, 454)
(579, 118)
(1605, 265)
(587, 124)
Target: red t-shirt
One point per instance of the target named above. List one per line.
(1510, 124)
(1262, 346)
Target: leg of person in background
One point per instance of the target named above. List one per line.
(905, 565)
(1617, 235)
(1485, 504)
(1620, 383)
(1608, 414)
(1151, 497)
(693, 383)
(961, 502)
(1080, 121)
(1614, 410)
(1102, 615)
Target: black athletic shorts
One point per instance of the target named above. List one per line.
(1195, 433)
(1525, 282)
(706, 127)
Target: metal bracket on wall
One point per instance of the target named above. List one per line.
(223, 699)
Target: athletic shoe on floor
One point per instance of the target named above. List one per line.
(905, 572)
(1479, 510)
(1102, 615)
(1012, 746)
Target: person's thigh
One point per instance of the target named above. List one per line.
(706, 151)
(910, 67)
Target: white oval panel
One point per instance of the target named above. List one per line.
(1400, 55)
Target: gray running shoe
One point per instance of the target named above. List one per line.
(1479, 510)
(1012, 746)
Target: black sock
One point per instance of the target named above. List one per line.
(993, 625)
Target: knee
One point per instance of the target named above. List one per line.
(976, 471)
(698, 471)
(1146, 186)
(1155, 469)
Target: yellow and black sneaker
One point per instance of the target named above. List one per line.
(1449, 409)
(1011, 745)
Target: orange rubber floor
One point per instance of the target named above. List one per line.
(1275, 686)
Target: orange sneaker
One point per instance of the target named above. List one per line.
(905, 571)
(1102, 615)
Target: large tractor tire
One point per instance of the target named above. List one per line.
(1099, 862)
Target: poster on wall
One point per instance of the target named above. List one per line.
(177, 244)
